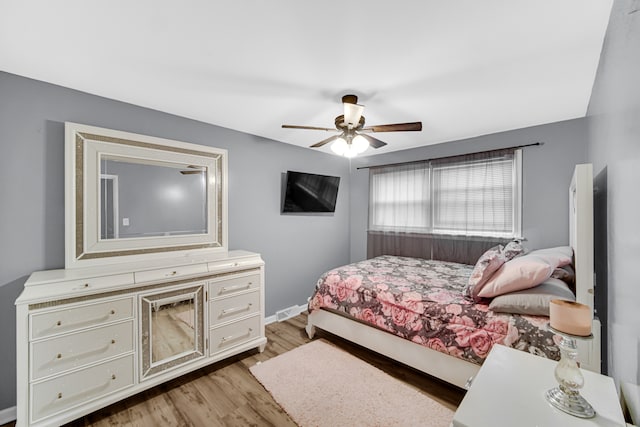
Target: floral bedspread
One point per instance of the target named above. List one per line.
(422, 300)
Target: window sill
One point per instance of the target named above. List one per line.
(449, 236)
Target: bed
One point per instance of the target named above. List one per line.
(415, 311)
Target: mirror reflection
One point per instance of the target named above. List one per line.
(173, 328)
(145, 199)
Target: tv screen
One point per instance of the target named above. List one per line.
(307, 192)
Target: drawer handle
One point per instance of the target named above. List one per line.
(235, 337)
(92, 389)
(94, 351)
(96, 319)
(235, 287)
(174, 272)
(235, 310)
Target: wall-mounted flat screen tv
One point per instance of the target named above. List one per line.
(307, 192)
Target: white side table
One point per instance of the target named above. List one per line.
(509, 391)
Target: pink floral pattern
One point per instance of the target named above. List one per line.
(424, 301)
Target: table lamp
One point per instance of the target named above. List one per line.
(571, 321)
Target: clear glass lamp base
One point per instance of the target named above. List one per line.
(566, 396)
(573, 404)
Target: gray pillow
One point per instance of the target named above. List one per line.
(533, 301)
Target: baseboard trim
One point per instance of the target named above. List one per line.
(8, 415)
(297, 310)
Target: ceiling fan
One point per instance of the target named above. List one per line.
(192, 170)
(353, 138)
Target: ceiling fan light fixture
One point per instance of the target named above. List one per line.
(360, 144)
(339, 146)
(352, 114)
(354, 138)
(351, 151)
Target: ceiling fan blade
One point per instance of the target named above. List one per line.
(323, 142)
(192, 170)
(373, 142)
(308, 127)
(397, 127)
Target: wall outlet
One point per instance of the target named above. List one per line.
(125, 222)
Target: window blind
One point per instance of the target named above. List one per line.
(472, 195)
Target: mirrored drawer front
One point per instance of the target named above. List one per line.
(234, 334)
(59, 354)
(233, 285)
(225, 309)
(59, 394)
(168, 273)
(71, 319)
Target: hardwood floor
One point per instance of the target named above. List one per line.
(226, 394)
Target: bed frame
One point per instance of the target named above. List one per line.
(457, 371)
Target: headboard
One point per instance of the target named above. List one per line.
(581, 231)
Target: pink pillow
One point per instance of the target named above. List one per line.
(563, 255)
(487, 264)
(520, 273)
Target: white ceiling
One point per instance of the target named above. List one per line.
(462, 67)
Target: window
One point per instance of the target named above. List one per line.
(400, 198)
(475, 195)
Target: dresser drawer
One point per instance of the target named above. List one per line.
(234, 334)
(168, 273)
(99, 282)
(226, 309)
(232, 285)
(62, 353)
(59, 394)
(71, 319)
(221, 266)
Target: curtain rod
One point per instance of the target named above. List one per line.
(450, 157)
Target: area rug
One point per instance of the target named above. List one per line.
(318, 384)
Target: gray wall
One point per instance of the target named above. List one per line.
(614, 150)
(546, 174)
(296, 249)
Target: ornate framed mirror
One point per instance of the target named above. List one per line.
(131, 197)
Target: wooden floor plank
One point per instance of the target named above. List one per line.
(226, 393)
(186, 397)
(217, 395)
(245, 416)
(256, 396)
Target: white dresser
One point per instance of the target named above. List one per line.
(88, 337)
